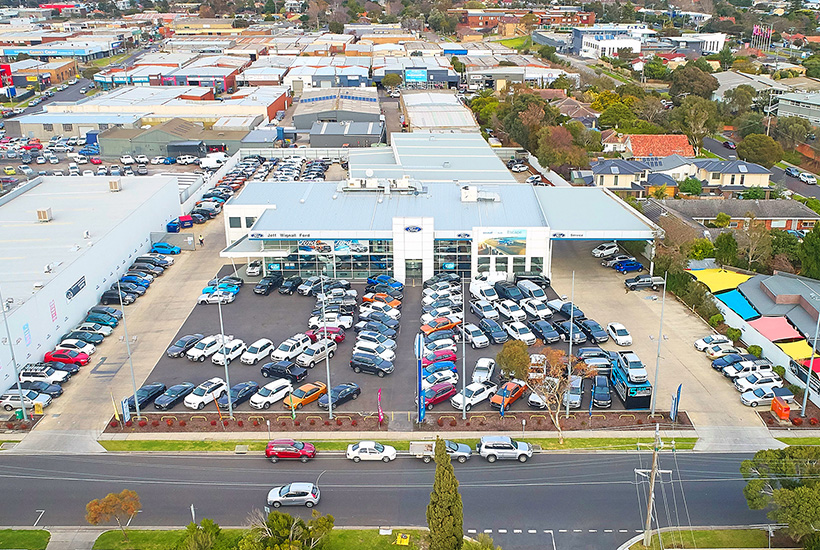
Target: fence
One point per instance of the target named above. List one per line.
(186, 241)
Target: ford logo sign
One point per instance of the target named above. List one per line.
(463, 235)
(558, 235)
(412, 228)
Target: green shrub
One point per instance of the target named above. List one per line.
(715, 320)
(793, 157)
(779, 369)
(733, 334)
(811, 542)
(757, 351)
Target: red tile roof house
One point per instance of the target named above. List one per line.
(658, 145)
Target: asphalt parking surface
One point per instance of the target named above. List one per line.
(279, 317)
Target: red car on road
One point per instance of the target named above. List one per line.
(67, 356)
(279, 449)
(337, 334)
(438, 355)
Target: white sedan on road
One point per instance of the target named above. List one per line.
(370, 450)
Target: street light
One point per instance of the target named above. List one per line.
(660, 339)
(463, 360)
(13, 359)
(128, 349)
(327, 361)
(571, 325)
(225, 358)
(810, 368)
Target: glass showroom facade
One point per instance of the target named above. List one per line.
(342, 258)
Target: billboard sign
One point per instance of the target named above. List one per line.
(315, 247)
(352, 246)
(415, 75)
(502, 242)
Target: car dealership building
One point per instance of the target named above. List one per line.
(417, 220)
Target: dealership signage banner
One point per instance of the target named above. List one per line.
(75, 288)
(501, 242)
(351, 246)
(315, 247)
(415, 75)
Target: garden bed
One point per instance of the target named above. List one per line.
(10, 424)
(540, 421)
(810, 422)
(246, 422)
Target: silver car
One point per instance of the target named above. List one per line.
(501, 447)
(294, 494)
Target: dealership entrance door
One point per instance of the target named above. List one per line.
(412, 271)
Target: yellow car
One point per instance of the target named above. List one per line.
(9, 170)
(307, 393)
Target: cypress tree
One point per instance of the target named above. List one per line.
(445, 513)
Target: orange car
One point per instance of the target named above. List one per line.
(382, 297)
(439, 323)
(304, 394)
(508, 393)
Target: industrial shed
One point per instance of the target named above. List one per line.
(337, 105)
(346, 134)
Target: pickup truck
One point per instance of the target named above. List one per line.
(644, 281)
(473, 394)
(566, 308)
(634, 367)
(426, 450)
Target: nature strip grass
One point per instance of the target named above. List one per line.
(717, 538)
(25, 539)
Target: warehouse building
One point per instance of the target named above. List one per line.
(437, 112)
(67, 240)
(347, 134)
(44, 125)
(337, 105)
(155, 141)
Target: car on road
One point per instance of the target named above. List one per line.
(205, 393)
(370, 450)
(808, 179)
(729, 145)
(294, 494)
(173, 395)
(238, 394)
(502, 447)
(289, 449)
(601, 394)
(508, 394)
(181, 346)
(619, 334)
(793, 172)
(145, 395)
(270, 393)
(712, 339)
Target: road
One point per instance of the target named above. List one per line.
(585, 500)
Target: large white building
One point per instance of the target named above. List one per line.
(66, 240)
(596, 46)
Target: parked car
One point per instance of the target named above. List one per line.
(493, 330)
(710, 340)
(289, 449)
(371, 364)
(40, 386)
(719, 350)
(339, 394)
(256, 351)
(565, 328)
(165, 248)
(601, 394)
(145, 395)
(304, 395)
(90, 337)
(205, 393)
(628, 266)
(619, 334)
(290, 284)
(116, 297)
(173, 395)
(507, 394)
(543, 330)
(218, 297)
(520, 331)
(808, 179)
(238, 394)
(758, 380)
(270, 393)
(605, 249)
(67, 356)
(473, 335)
(731, 359)
(502, 447)
(764, 396)
(473, 394)
(594, 331)
(230, 351)
(370, 450)
(266, 284)
(284, 369)
(792, 172)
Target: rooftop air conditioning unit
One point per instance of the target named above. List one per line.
(44, 215)
(115, 186)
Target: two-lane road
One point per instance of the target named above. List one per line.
(584, 500)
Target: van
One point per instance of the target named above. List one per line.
(481, 290)
(531, 290)
(316, 353)
(44, 373)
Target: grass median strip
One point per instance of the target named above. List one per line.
(799, 440)
(550, 444)
(35, 539)
(718, 538)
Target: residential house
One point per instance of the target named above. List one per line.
(675, 166)
(613, 142)
(578, 110)
(629, 178)
(787, 215)
(731, 175)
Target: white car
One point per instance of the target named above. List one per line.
(807, 178)
(206, 347)
(369, 348)
(205, 393)
(375, 337)
(77, 345)
(158, 160)
(141, 159)
(710, 340)
(484, 309)
(719, 350)
(520, 331)
(387, 309)
(758, 380)
(444, 343)
(483, 370)
(619, 334)
(440, 290)
(232, 350)
(436, 313)
(536, 308)
(535, 180)
(127, 159)
(291, 348)
(220, 296)
(764, 396)
(370, 450)
(158, 256)
(95, 328)
(605, 249)
(186, 159)
(510, 310)
(519, 167)
(474, 336)
(331, 320)
(254, 269)
(270, 393)
(475, 393)
(88, 173)
(256, 351)
(438, 378)
(428, 299)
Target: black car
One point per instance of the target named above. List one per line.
(370, 364)
(440, 335)
(385, 289)
(290, 284)
(116, 297)
(52, 390)
(129, 288)
(199, 218)
(508, 291)
(543, 330)
(146, 394)
(173, 395)
(594, 331)
(340, 394)
(327, 286)
(564, 328)
(230, 279)
(149, 268)
(90, 337)
(442, 302)
(178, 348)
(239, 394)
(340, 309)
(493, 330)
(375, 326)
(284, 369)
(112, 311)
(601, 395)
(382, 318)
(267, 283)
(441, 278)
(70, 368)
(151, 260)
(207, 214)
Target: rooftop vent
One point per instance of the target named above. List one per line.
(115, 186)
(44, 215)
(469, 193)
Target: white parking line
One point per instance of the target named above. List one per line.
(531, 531)
(502, 531)
(488, 531)
(517, 531)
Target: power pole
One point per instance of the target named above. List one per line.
(647, 532)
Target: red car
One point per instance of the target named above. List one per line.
(289, 449)
(33, 146)
(67, 356)
(438, 393)
(95, 160)
(438, 355)
(337, 334)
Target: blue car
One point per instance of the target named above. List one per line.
(222, 286)
(731, 359)
(141, 281)
(628, 266)
(438, 367)
(169, 160)
(385, 280)
(239, 394)
(102, 319)
(793, 172)
(165, 248)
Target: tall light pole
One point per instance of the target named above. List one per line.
(571, 325)
(128, 350)
(327, 362)
(660, 338)
(816, 299)
(13, 359)
(225, 356)
(463, 358)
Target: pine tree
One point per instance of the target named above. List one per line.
(445, 513)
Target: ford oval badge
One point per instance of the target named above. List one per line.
(463, 235)
(412, 228)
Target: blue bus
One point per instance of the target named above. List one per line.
(634, 395)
